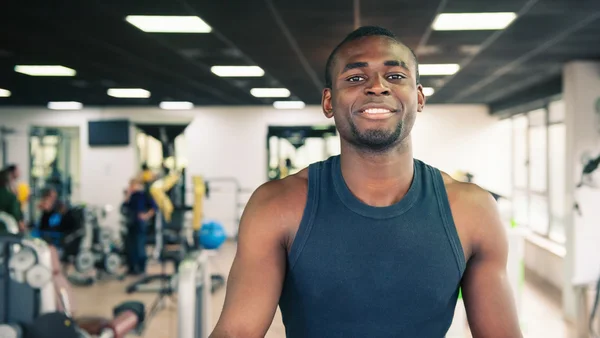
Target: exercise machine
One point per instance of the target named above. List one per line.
(194, 297)
(35, 297)
(98, 248)
(8, 223)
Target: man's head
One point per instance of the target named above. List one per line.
(136, 184)
(13, 171)
(372, 89)
(48, 199)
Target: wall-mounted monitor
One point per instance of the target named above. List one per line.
(103, 133)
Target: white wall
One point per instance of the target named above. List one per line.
(231, 142)
(104, 171)
(226, 142)
(466, 138)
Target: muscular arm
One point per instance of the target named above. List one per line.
(487, 294)
(256, 277)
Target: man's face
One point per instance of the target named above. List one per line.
(15, 173)
(374, 97)
(47, 203)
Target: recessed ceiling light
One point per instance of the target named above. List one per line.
(428, 91)
(169, 24)
(270, 92)
(473, 21)
(45, 70)
(176, 105)
(438, 69)
(65, 105)
(237, 71)
(128, 93)
(288, 104)
(4, 93)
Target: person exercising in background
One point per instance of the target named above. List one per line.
(371, 242)
(139, 208)
(9, 202)
(20, 189)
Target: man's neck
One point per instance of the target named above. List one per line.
(378, 179)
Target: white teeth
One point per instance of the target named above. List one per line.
(377, 111)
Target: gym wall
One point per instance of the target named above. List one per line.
(231, 142)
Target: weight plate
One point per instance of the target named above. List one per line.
(105, 238)
(84, 261)
(112, 263)
(10, 331)
(38, 276)
(22, 260)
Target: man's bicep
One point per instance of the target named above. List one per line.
(256, 276)
(487, 293)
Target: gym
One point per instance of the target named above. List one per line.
(133, 137)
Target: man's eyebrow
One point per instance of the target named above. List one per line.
(389, 63)
(354, 65)
(396, 63)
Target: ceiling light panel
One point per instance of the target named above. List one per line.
(65, 105)
(50, 70)
(238, 71)
(128, 93)
(169, 24)
(473, 21)
(438, 69)
(288, 104)
(270, 92)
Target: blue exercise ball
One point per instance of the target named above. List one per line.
(212, 235)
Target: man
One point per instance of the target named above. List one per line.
(139, 208)
(9, 202)
(371, 243)
(55, 221)
(20, 189)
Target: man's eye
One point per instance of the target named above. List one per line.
(396, 77)
(355, 78)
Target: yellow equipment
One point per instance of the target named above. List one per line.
(158, 191)
(199, 193)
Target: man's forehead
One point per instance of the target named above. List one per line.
(373, 45)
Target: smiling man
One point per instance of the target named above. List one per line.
(373, 242)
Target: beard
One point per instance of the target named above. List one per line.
(375, 140)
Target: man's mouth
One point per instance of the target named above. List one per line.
(376, 112)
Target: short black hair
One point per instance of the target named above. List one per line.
(11, 168)
(47, 191)
(361, 33)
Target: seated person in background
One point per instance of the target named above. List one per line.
(54, 222)
(9, 202)
(139, 208)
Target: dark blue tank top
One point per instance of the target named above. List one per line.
(360, 271)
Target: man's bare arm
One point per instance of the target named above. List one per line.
(256, 276)
(488, 297)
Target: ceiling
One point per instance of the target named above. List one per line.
(290, 40)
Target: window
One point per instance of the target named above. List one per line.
(539, 171)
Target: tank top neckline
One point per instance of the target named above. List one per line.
(359, 207)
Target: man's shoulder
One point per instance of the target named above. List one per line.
(465, 193)
(284, 192)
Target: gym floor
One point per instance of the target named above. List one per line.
(541, 304)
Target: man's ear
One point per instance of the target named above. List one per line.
(326, 103)
(420, 98)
